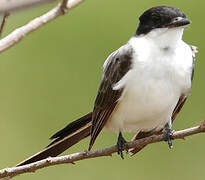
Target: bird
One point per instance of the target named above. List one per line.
(145, 83)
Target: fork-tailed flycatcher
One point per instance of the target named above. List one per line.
(144, 85)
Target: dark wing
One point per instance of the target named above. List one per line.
(115, 67)
(177, 109)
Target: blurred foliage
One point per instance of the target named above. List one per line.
(52, 77)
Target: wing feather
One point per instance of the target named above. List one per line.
(115, 67)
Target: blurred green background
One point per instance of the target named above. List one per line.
(52, 76)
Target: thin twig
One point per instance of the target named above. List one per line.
(6, 14)
(18, 34)
(72, 158)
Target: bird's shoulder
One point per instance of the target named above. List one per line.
(122, 56)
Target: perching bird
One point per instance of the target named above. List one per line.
(144, 85)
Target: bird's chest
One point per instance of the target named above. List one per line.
(154, 84)
(150, 94)
(162, 71)
(151, 73)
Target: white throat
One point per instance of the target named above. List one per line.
(166, 37)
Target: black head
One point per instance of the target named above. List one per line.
(161, 17)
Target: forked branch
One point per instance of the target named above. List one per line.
(18, 34)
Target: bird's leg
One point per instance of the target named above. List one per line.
(168, 132)
(120, 144)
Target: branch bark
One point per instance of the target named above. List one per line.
(20, 33)
(72, 158)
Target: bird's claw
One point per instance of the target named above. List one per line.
(168, 136)
(120, 145)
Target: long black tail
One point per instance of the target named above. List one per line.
(64, 139)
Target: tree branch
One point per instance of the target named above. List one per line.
(16, 5)
(72, 158)
(18, 34)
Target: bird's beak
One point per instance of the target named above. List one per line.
(179, 21)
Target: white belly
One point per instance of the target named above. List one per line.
(145, 105)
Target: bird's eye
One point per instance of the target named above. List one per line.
(176, 19)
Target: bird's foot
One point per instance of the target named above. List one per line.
(168, 136)
(121, 145)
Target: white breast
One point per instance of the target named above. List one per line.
(152, 87)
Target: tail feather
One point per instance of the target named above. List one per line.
(72, 127)
(67, 137)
